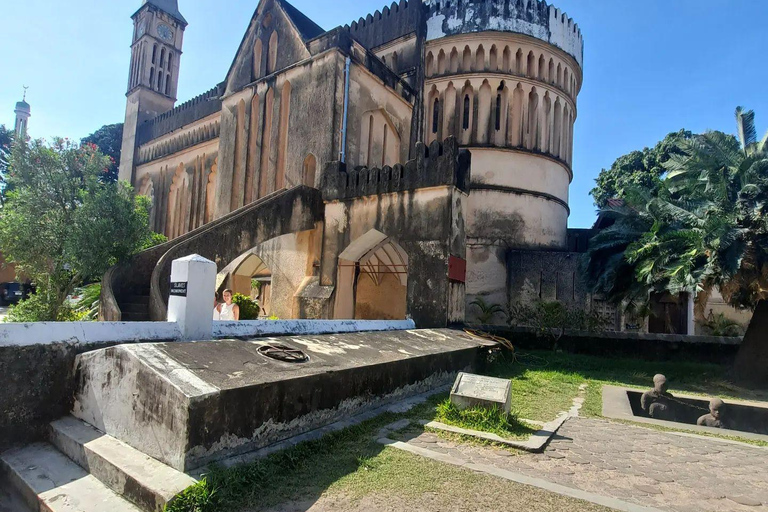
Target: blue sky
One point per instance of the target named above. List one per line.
(651, 66)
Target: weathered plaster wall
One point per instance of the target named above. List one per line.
(530, 276)
(251, 161)
(370, 98)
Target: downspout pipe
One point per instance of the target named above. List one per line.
(343, 156)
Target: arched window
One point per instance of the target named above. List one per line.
(310, 169)
(257, 60)
(465, 122)
(498, 112)
(159, 80)
(154, 54)
(152, 78)
(272, 56)
(170, 58)
(384, 145)
(162, 58)
(168, 84)
(435, 115)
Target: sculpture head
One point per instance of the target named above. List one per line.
(660, 383)
(716, 407)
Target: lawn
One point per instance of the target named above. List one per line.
(350, 464)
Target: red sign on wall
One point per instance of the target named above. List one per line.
(457, 269)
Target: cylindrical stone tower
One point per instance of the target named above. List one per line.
(502, 76)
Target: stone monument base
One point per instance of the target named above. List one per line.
(191, 403)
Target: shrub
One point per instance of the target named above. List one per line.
(249, 308)
(550, 320)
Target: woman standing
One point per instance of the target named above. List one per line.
(228, 310)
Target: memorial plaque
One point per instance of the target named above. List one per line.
(179, 289)
(477, 390)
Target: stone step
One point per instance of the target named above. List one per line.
(50, 482)
(139, 299)
(135, 317)
(133, 308)
(137, 477)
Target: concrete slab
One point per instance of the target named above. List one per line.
(48, 480)
(139, 478)
(187, 404)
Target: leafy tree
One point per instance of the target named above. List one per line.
(550, 320)
(6, 138)
(109, 140)
(62, 225)
(643, 169)
(705, 227)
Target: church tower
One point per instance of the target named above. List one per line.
(158, 34)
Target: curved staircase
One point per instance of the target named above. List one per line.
(137, 290)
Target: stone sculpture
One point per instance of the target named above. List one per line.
(715, 416)
(657, 402)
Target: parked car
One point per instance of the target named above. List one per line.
(11, 293)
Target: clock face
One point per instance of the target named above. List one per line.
(165, 32)
(142, 28)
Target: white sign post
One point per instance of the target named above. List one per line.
(193, 284)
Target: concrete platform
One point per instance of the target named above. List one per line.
(51, 482)
(187, 404)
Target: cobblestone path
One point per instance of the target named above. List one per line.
(636, 465)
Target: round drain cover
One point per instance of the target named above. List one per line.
(283, 353)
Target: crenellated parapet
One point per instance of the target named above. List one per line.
(186, 113)
(388, 24)
(435, 165)
(533, 18)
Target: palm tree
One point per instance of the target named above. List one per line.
(706, 227)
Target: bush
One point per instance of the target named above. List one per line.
(550, 320)
(249, 308)
(41, 307)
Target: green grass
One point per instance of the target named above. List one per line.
(492, 420)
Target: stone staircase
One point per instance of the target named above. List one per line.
(82, 469)
(136, 307)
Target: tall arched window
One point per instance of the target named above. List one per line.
(257, 60)
(159, 80)
(168, 84)
(435, 115)
(162, 58)
(498, 112)
(465, 122)
(170, 58)
(272, 56)
(152, 78)
(310, 168)
(154, 54)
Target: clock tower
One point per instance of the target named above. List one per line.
(158, 34)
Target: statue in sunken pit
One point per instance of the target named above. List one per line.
(715, 416)
(657, 402)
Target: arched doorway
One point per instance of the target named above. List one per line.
(373, 279)
(250, 276)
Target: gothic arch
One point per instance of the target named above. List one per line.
(210, 191)
(147, 189)
(178, 203)
(272, 56)
(282, 148)
(309, 170)
(257, 57)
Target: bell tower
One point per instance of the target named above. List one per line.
(158, 35)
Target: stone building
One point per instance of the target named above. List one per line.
(304, 106)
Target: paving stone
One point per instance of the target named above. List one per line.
(554, 455)
(664, 479)
(648, 489)
(745, 500)
(578, 460)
